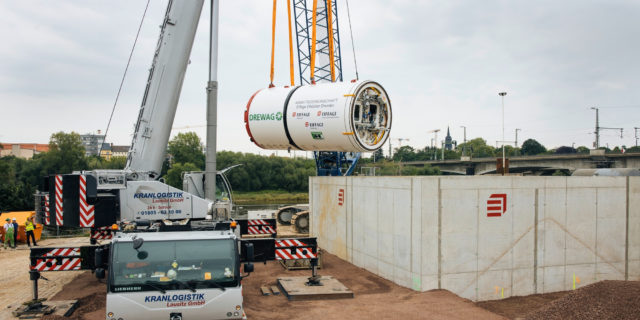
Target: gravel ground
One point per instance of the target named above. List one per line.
(602, 300)
(375, 297)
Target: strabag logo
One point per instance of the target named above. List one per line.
(314, 125)
(327, 114)
(497, 205)
(178, 300)
(265, 116)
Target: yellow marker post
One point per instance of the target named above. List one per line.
(502, 294)
(574, 281)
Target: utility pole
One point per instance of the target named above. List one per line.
(597, 132)
(517, 136)
(464, 148)
(598, 128)
(502, 94)
(435, 142)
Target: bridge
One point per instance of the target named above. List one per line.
(535, 165)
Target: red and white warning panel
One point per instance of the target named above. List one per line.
(59, 200)
(258, 226)
(281, 248)
(292, 249)
(101, 233)
(86, 211)
(56, 259)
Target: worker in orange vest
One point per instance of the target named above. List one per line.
(29, 226)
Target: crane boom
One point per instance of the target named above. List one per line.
(162, 92)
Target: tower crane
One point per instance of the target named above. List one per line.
(328, 163)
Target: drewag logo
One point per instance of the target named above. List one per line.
(265, 116)
(496, 205)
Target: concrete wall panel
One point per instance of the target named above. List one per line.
(434, 232)
(459, 221)
(633, 225)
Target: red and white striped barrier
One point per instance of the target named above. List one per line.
(290, 243)
(290, 249)
(102, 233)
(47, 217)
(86, 210)
(257, 222)
(62, 259)
(259, 226)
(261, 230)
(297, 253)
(59, 201)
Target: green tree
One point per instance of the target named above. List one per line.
(187, 148)
(66, 154)
(404, 153)
(532, 147)
(582, 150)
(378, 155)
(174, 175)
(478, 148)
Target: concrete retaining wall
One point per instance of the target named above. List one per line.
(434, 232)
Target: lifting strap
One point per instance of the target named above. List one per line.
(330, 35)
(273, 40)
(290, 46)
(313, 42)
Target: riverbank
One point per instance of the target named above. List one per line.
(269, 196)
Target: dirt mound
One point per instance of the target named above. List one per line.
(516, 307)
(603, 300)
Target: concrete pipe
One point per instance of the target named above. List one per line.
(340, 116)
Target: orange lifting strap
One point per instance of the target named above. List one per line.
(330, 35)
(313, 41)
(273, 40)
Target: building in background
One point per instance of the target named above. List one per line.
(105, 151)
(449, 143)
(109, 150)
(119, 151)
(92, 143)
(23, 150)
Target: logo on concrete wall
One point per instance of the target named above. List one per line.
(340, 197)
(496, 205)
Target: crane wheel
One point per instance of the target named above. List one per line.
(301, 221)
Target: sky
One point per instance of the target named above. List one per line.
(441, 62)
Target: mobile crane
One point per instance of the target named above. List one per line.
(173, 253)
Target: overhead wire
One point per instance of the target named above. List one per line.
(353, 47)
(125, 74)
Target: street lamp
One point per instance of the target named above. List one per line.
(502, 94)
(464, 148)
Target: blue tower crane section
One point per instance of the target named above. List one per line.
(328, 163)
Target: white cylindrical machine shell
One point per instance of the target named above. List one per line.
(343, 116)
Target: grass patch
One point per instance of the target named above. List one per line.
(269, 196)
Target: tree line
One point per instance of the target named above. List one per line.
(478, 148)
(19, 178)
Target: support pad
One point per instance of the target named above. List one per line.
(296, 288)
(37, 310)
